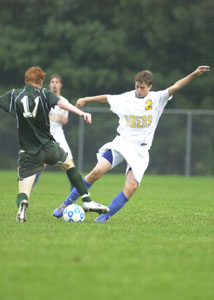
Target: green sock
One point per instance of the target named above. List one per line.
(76, 180)
(20, 197)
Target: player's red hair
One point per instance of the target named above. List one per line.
(34, 75)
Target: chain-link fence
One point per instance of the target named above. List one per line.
(183, 143)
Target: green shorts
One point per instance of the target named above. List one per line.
(51, 154)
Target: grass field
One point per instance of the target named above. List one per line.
(160, 246)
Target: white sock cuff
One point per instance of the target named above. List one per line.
(85, 195)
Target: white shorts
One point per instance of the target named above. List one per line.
(60, 138)
(136, 156)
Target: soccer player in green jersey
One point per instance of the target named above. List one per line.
(31, 106)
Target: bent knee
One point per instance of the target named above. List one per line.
(96, 174)
(68, 164)
(130, 188)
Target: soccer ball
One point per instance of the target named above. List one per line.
(74, 213)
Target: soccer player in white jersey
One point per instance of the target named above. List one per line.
(139, 112)
(58, 117)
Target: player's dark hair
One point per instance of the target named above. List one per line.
(144, 77)
(34, 75)
(56, 76)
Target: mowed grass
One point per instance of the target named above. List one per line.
(159, 246)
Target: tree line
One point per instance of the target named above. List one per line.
(97, 46)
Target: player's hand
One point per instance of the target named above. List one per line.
(86, 117)
(80, 102)
(200, 70)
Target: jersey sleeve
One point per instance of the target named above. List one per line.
(52, 98)
(6, 102)
(164, 97)
(117, 98)
(116, 102)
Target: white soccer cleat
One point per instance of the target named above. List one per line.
(95, 207)
(22, 212)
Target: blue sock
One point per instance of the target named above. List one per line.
(74, 195)
(118, 202)
(36, 178)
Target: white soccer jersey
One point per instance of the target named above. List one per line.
(56, 126)
(138, 117)
(55, 117)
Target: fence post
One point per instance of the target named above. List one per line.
(188, 144)
(81, 145)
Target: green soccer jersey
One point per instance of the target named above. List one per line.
(31, 107)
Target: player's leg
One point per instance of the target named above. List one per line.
(76, 180)
(28, 166)
(134, 174)
(121, 199)
(103, 166)
(55, 155)
(74, 194)
(60, 138)
(25, 187)
(38, 176)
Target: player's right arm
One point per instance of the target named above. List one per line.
(6, 102)
(70, 107)
(82, 101)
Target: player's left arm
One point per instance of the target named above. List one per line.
(186, 80)
(70, 107)
(64, 120)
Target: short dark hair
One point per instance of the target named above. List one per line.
(144, 76)
(56, 76)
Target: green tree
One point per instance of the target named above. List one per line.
(99, 45)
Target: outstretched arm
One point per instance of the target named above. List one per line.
(64, 120)
(82, 101)
(184, 81)
(70, 107)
